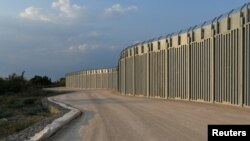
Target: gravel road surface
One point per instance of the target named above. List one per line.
(112, 117)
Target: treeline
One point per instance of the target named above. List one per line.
(18, 83)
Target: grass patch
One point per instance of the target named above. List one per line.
(10, 128)
(21, 110)
(5, 113)
(29, 101)
(34, 110)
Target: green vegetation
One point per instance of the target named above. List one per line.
(7, 128)
(21, 102)
(17, 83)
(59, 83)
(40, 81)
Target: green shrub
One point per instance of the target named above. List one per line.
(40, 81)
(4, 113)
(15, 83)
(2, 86)
(59, 83)
(11, 99)
(18, 103)
(29, 101)
(33, 110)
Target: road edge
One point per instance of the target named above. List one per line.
(58, 123)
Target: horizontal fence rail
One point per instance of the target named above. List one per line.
(206, 63)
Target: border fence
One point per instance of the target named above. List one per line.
(93, 79)
(208, 63)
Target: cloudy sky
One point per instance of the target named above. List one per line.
(53, 37)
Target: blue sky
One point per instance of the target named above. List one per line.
(53, 37)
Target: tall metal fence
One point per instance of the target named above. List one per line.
(93, 79)
(207, 63)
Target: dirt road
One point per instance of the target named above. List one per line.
(111, 117)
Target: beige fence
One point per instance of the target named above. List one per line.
(207, 63)
(93, 79)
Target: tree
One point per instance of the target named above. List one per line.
(15, 83)
(59, 83)
(2, 86)
(42, 81)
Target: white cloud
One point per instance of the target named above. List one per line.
(82, 48)
(66, 11)
(118, 9)
(34, 13)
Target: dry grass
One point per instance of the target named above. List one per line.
(21, 110)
